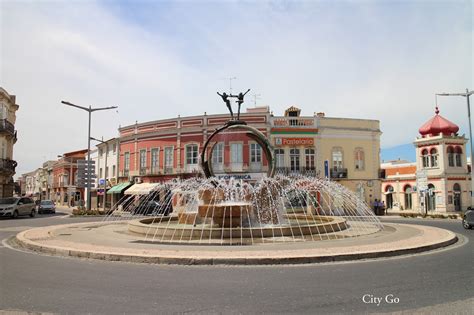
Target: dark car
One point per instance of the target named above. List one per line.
(151, 207)
(468, 219)
(46, 206)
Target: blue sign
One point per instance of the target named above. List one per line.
(102, 182)
(326, 169)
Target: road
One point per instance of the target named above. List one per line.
(441, 281)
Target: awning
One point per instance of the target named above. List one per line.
(141, 189)
(117, 189)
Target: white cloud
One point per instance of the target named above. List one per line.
(349, 59)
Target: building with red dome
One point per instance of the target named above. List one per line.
(439, 180)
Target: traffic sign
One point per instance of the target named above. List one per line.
(421, 180)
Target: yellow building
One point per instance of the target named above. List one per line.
(351, 148)
(8, 109)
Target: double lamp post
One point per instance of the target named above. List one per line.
(90, 110)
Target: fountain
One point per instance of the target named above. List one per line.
(236, 210)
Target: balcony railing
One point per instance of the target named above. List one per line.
(308, 171)
(338, 173)
(7, 165)
(7, 126)
(293, 122)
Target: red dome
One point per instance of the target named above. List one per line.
(437, 125)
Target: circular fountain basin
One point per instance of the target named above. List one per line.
(301, 227)
(227, 214)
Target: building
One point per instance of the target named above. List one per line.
(159, 150)
(107, 170)
(32, 182)
(65, 190)
(46, 180)
(442, 167)
(8, 137)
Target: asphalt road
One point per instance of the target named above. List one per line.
(442, 282)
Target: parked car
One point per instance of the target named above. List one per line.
(15, 206)
(468, 219)
(151, 207)
(46, 206)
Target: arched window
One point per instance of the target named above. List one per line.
(408, 201)
(280, 158)
(450, 152)
(309, 155)
(434, 157)
(425, 158)
(389, 197)
(359, 159)
(294, 160)
(458, 152)
(337, 159)
(431, 197)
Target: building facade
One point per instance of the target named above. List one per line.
(439, 180)
(65, 190)
(107, 169)
(156, 151)
(8, 137)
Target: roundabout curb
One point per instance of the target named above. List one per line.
(32, 240)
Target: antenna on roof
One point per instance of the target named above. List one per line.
(255, 97)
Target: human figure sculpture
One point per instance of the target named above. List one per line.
(240, 100)
(226, 100)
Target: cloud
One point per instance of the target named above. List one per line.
(158, 60)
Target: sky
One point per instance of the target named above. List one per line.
(381, 60)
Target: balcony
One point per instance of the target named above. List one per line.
(8, 127)
(307, 171)
(300, 122)
(337, 173)
(7, 166)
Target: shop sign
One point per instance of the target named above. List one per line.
(294, 141)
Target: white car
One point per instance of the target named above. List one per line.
(15, 206)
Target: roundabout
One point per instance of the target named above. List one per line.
(114, 242)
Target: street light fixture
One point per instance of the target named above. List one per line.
(90, 110)
(466, 95)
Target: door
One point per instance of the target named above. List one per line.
(457, 201)
(236, 157)
(389, 201)
(23, 206)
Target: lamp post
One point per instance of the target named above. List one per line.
(105, 167)
(90, 110)
(466, 95)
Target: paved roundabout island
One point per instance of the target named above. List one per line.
(113, 241)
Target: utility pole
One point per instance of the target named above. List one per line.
(90, 110)
(467, 94)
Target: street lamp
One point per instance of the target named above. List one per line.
(105, 167)
(466, 95)
(90, 110)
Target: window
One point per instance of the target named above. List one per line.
(236, 159)
(115, 147)
(126, 163)
(255, 153)
(169, 159)
(218, 154)
(279, 158)
(359, 159)
(434, 157)
(191, 154)
(155, 160)
(458, 151)
(425, 158)
(113, 171)
(100, 172)
(309, 156)
(107, 172)
(101, 152)
(294, 160)
(450, 151)
(408, 201)
(337, 156)
(431, 197)
(142, 162)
